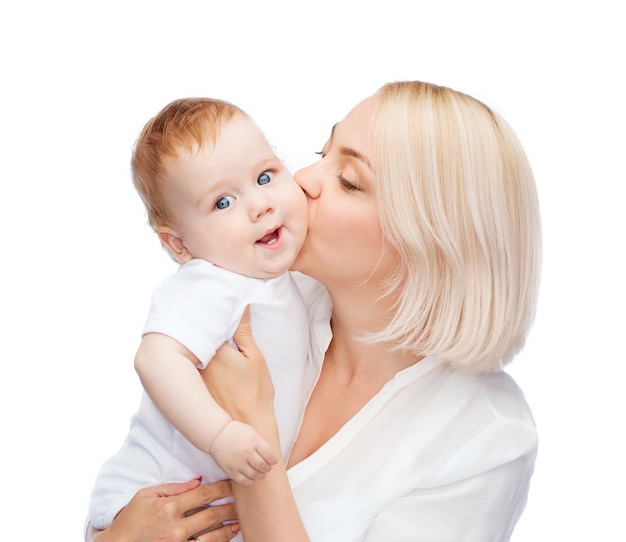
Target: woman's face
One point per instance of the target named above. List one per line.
(344, 246)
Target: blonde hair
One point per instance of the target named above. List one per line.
(185, 124)
(458, 203)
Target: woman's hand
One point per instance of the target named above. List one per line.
(173, 513)
(239, 379)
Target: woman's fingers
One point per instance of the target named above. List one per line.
(243, 335)
(203, 517)
(204, 495)
(170, 490)
(173, 513)
(239, 379)
(222, 534)
(204, 523)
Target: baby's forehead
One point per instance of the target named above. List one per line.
(237, 140)
(203, 133)
(240, 122)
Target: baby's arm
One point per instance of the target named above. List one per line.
(168, 374)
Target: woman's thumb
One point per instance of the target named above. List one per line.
(243, 334)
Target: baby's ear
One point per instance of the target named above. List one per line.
(174, 243)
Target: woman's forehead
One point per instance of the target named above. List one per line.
(354, 131)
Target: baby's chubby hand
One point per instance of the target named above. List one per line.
(242, 453)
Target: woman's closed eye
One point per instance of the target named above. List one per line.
(346, 184)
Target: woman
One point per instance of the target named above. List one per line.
(424, 231)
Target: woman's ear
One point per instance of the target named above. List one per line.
(174, 243)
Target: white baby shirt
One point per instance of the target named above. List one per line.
(200, 306)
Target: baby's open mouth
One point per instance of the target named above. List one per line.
(269, 238)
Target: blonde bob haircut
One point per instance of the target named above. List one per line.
(457, 201)
(186, 124)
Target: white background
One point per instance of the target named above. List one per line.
(79, 79)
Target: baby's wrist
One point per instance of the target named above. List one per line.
(219, 431)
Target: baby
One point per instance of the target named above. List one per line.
(230, 213)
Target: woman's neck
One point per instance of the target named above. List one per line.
(353, 370)
(355, 314)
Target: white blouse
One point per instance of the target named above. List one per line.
(435, 456)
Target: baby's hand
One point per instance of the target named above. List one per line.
(242, 453)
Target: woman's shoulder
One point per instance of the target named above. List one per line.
(487, 402)
(476, 422)
(496, 408)
(504, 395)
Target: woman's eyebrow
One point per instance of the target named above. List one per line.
(347, 151)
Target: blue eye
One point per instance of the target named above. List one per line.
(224, 202)
(264, 178)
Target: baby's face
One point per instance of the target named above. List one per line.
(236, 205)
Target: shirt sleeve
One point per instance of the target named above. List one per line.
(480, 508)
(197, 307)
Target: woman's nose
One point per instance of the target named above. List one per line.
(308, 179)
